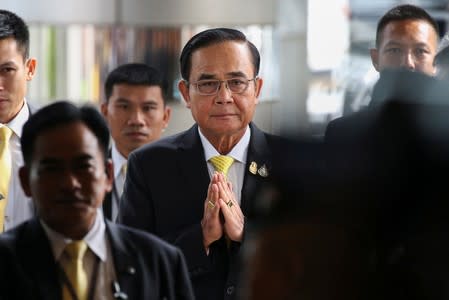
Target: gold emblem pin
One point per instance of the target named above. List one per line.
(263, 171)
(253, 167)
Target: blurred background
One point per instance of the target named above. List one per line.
(315, 53)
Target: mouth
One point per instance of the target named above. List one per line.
(136, 134)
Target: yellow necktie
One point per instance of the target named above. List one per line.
(123, 174)
(221, 163)
(75, 272)
(5, 171)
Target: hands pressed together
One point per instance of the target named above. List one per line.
(220, 197)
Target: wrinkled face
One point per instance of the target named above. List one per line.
(14, 74)
(224, 113)
(409, 44)
(136, 115)
(67, 178)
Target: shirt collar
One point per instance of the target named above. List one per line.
(95, 238)
(118, 160)
(16, 124)
(239, 152)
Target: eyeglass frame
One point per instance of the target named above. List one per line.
(219, 86)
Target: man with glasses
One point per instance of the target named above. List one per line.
(193, 189)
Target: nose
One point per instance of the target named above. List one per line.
(224, 94)
(408, 61)
(70, 181)
(136, 117)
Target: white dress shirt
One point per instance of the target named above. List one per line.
(237, 170)
(98, 247)
(19, 207)
(118, 161)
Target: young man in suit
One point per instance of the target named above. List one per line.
(16, 69)
(406, 39)
(137, 114)
(172, 187)
(67, 174)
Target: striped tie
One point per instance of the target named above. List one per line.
(221, 163)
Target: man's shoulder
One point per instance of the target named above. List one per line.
(169, 143)
(139, 240)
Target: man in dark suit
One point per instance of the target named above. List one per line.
(172, 187)
(137, 114)
(67, 174)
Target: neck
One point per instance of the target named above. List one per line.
(224, 143)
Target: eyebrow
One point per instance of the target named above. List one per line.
(8, 63)
(206, 76)
(146, 101)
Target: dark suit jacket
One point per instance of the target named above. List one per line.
(108, 198)
(164, 194)
(146, 267)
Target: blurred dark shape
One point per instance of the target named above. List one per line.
(373, 223)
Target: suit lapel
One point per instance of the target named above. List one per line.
(193, 167)
(40, 265)
(125, 264)
(107, 203)
(260, 154)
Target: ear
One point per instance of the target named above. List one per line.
(183, 87)
(259, 83)
(30, 66)
(374, 58)
(24, 176)
(109, 170)
(104, 108)
(167, 115)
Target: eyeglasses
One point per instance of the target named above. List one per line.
(210, 87)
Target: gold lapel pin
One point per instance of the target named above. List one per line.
(263, 171)
(253, 167)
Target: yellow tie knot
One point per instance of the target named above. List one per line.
(76, 250)
(221, 163)
(5, 134)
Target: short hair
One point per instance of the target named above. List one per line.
(401, 13)
(135, 74)
(215, 36)
(61, 113)
(12, 26)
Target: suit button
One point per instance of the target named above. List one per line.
(230, 290)
(131, 270)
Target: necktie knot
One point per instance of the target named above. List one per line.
(5, 134)
(76, 250)
(221, 163)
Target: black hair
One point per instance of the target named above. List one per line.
(135, 74)
(215, 36)
(401, 13)
(61, 113)
(12, 26)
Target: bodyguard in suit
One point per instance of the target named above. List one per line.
(16, 69)
(172, 187)
(69, 251)
(136, 112)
